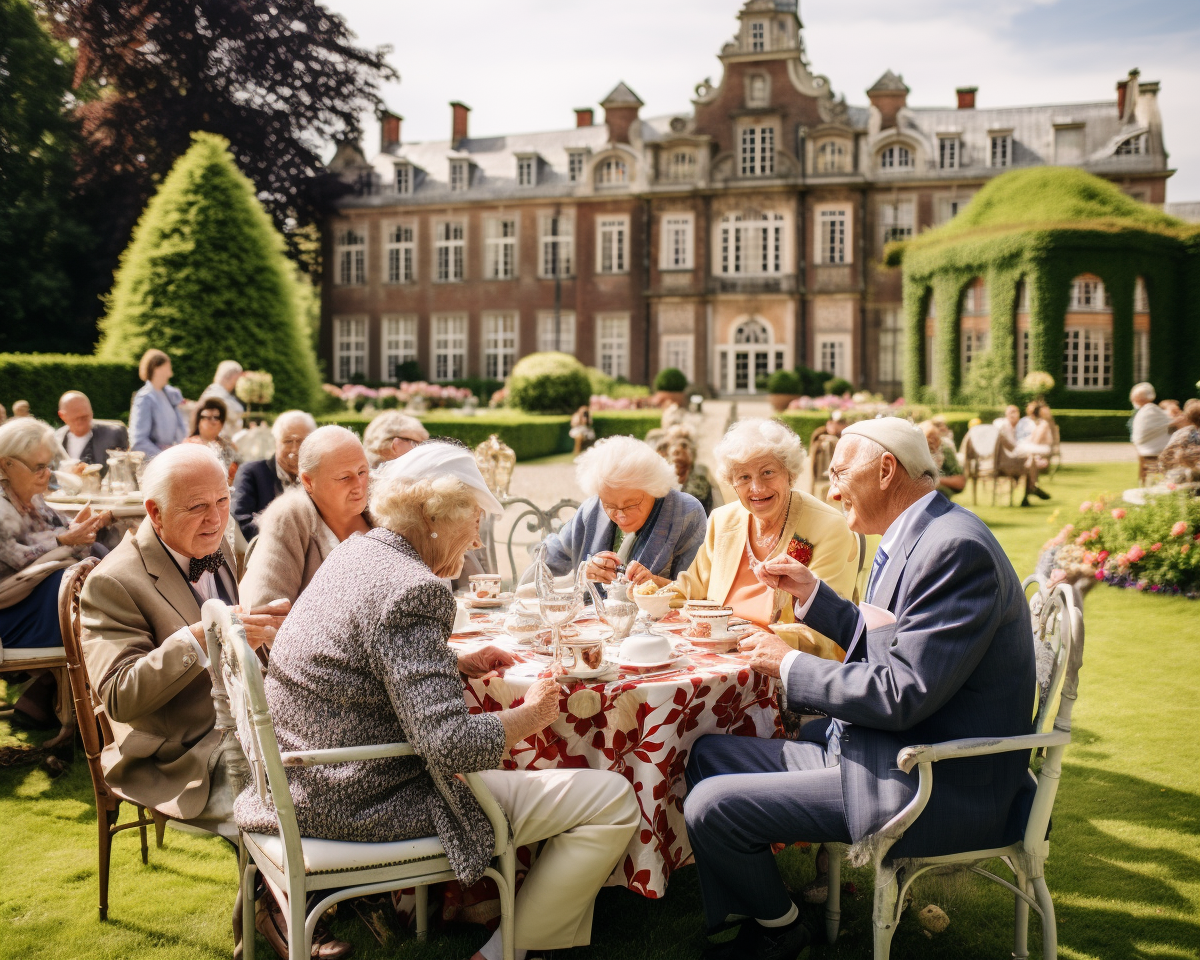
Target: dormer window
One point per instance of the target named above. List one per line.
(756, 91)
(404, 179)
(527, 169)
(758, 36)
(1002, 148)
(949, 153)
(831, 157)
(681, 165)
(895, 157)
(575, 164)
(1132, 146)
(460, 175)
(611, 171)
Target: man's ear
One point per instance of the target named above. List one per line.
(154, 512)
(887, 470)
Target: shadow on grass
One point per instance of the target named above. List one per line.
(197, 947)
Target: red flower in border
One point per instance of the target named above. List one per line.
(800, 549)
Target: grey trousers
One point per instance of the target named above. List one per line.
(745, 794)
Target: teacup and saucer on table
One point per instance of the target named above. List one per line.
(484, 591)
(647, 652)
(709, 630)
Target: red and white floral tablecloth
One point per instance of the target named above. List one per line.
(642, 727)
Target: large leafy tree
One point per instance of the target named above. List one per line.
(41, 238)
(205, 278)
(278, 79)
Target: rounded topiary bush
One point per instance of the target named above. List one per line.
(785, 381)
(671, 380)
(838, 387)
(549, 383)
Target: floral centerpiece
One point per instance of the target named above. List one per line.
(255, 387)
(1037, 384)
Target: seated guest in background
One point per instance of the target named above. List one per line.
(208, 423)
(82, 438)
(261, 481)
(21, 409)
(300, 528)
(1173, 410)
(761, 460)
(392, 434)
(1028, 423)
(156, 420)
(37, 543)
(950, 475)
(1150, 427)
(633, 515)
(957, 662)
(832, 427)
(363, 658)
(229, 372)
(1180, 458)
(678, 446)
(1007, 424)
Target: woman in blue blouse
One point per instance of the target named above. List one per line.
(156, 421)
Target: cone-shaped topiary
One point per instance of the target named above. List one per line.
(205, 279)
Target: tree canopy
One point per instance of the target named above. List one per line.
(206, 280)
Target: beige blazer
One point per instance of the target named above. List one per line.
(292, 543)
(157, 694)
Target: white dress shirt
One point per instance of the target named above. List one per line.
(1151, 430)
(206, 587)
(76, 445)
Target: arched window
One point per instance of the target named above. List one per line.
(752, 331)
(895, 157)
(831, 157)
(611, 171)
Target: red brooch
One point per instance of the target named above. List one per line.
(800, 549)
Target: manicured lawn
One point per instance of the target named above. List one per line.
(1124, 864)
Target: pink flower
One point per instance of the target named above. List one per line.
(1155, 547)
(1135, 553)
(1102, 556)
(1099, 574)
(1185, 548)
(1118, 514)
(1179, 529)
(1170, 485)
(1058, 576)
(1095, 531)
(1085, 506)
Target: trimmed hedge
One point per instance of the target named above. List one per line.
(41, 378)
(632, 423)
(530, 435)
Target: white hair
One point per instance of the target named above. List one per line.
(290, 418)
(320, 442)
(23, 435)
(226, 368)
(1142, 391)
(623, 463)
(385, 428)
(180, 462)
(750, 439)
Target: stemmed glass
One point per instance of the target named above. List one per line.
(558, 603)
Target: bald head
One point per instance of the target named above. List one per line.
(186, 494)
(75, 410)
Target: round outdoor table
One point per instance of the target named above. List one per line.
(127, 511)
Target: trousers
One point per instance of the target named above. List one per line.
(745, 794)
(586, 818)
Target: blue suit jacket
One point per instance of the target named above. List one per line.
(155, 420)
(958, 662)
(255, 485)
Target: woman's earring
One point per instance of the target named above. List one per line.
(433, 535)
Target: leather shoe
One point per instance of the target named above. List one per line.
(756, 942)
(271, 922)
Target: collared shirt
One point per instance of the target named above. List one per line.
(285, 478)
(206, 587)
(76, 445)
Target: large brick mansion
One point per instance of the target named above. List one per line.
(738, 239)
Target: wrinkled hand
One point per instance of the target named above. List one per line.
(791, 576)
(262, 623)
(485, 663)
(766, 651)
(639, 574)
(542, 698)
(603, 567)
(78, 467)
(82, 530)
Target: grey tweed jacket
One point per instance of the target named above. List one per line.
(362, 659)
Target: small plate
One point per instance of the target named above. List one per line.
(714, 644)
(650, 667)
(475, 603)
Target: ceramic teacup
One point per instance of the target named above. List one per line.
(485, 586)
(717, 619)
(692, 606)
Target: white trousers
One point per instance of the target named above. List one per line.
(587, 818)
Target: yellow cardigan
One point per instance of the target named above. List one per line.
(835, 560)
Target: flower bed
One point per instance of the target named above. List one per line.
(1154, 547)
(356, 396)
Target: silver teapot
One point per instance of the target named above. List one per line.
(617, 609)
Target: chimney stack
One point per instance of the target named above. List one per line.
(389, 130)
(458, 126)
(583, 116)
(888, 95)
(966, 97)
(1127, 103)
(620, 112)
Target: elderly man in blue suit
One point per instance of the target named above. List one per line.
(956, 662)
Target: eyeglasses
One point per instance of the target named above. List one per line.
(36, 470)
(211, 416)
(409, 440)
(612, 509)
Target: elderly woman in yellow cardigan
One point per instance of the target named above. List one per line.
(761, 459)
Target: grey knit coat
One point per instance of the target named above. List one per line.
(362, 659)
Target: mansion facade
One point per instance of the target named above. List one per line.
(732, 241)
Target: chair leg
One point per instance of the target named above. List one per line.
(833, 899)
(248, 907)
(1049, 926)
(299, 941)
(142, 830)
(104, 820)
(884, 917)
(160, 828)
(422, 909)
(1021, 920)
(508, 909)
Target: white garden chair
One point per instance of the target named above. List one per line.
(1058, 645)
(295, 866)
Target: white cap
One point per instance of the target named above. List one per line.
(427, 461)
(903, 440)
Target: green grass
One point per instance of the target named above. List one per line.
(1125, 852)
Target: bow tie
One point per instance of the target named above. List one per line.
(210, 564)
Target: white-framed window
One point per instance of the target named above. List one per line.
(1001, 153)
(831, 157)
(1087, 358)
(677, 351)
(891, 345)
(404, 179)
(758, 151)
(399, 343)
(499, 344)
(949, 153)
(833, 354)
(1141, 301)
(675, 250)
(612, 344)
(1141, 355)
(449, 249)
(756, 91)
(350, 255)
(758, 36)
(401, 249)
(896, 220)
(460, 175)
(575, 163)
(1023, 297)
(526, 171)
(556, 334)
(974, 343)
(1023, 353)
(612, 245)
(558, 245)
(350, 347)
(947, 208)
(1088, 293)
(895, 157)
(450, 347)
(681, 165)
(1132, 146)
(833, 235)
(752, 245)
(500, 248)
(976, 301)
(611, 171)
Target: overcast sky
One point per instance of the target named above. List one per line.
(523, 65)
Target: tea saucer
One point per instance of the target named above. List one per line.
(482, 603)
(648, 667)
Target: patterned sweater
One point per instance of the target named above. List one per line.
(362, 659)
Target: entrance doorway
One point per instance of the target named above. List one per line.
(751, 356)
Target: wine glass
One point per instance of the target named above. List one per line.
(558, 603)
